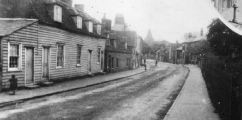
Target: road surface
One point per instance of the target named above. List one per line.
(146, 96)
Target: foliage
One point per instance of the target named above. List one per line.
(224, 42)
(145, 48)
(199, 47)
(223, 76)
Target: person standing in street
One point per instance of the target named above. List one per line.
(156, 62)
(13, 85)
(145, 63)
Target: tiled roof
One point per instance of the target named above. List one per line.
(8, 26)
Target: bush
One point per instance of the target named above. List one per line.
(222, 80)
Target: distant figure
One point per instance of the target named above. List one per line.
(13, 84)
(156, 62)
(145, 63)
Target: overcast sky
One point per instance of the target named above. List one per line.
(167, 19)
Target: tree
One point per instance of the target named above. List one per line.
(145, 48)
(224, 42)
(200, 47)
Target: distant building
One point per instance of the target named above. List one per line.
(187, 56)
(118, 55)
(122, 32)
(173, 54)
(120, 24)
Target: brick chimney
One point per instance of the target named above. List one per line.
(79, 7)
(106, 23)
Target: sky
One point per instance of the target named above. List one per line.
(167, 19)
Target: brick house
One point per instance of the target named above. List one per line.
(118, 55)
(48, 41)
(187, 47)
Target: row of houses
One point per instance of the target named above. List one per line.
(49, 40)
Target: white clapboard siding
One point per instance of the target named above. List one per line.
(50, 36)
(27, 36)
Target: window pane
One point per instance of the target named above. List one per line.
(60, 55)
(14, 50)
(79, 50)
(13, 62)
(99, 54)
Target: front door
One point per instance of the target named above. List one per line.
(90, 61)
(29, 65)
(45, 63)
(109, 63)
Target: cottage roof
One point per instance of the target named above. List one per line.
(41, 10)
(129, 36)
(9, 25)
(198, 38)
(120, 44)
(119, 48)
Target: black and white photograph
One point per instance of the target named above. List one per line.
(120, 59)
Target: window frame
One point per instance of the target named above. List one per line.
(78, 52)
(19, 67)
(112, 65)
(98, 55)
(63, 63)
(90, 26)
(99, 28)
(127, 63)
(57, 13)
(117, 62)
(79, 22)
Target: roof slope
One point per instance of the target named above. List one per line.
(8, 26)
(129, 36)
(43, 11)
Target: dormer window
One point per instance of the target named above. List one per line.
(113, 43)
(99, 29)
(79, 22)
(57, 13)
(89, 25)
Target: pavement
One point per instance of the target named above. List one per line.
(193, 102)
(25, 94)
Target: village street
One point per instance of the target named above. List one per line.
(143, 96)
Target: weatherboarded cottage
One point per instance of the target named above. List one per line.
(49, 41)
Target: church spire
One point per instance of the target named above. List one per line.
(149, 38)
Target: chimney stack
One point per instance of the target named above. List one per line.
(79, 7)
